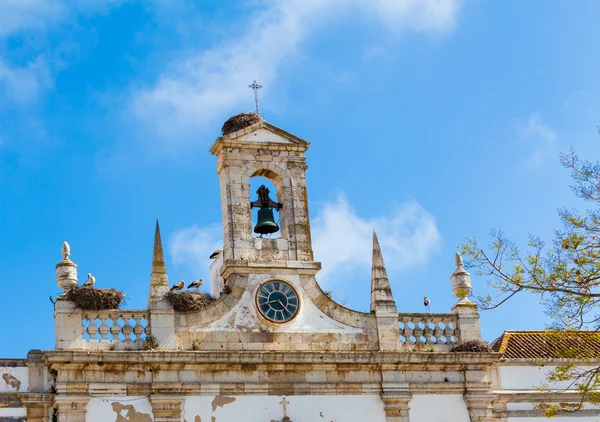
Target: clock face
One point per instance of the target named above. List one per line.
(277, 301)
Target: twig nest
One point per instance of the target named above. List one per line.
(472, 346)
(189, 301)
(93, 299)
(240, 121)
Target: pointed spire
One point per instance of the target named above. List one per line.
(158, 257)
(159, 282)
(381, 293)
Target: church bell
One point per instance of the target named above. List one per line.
(266, 222)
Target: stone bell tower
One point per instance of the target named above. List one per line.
(251, 147)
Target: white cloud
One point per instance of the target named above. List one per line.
(200, 89)
(23, 84)
(25, 15)
(541, 139)
(20, 15)
(342, 240)
(192, 247)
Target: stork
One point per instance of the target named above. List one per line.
(178, 286)
(426, 302)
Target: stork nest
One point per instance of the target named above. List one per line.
(94, 299)
(189, 301)
(240, 121)
(472, 346)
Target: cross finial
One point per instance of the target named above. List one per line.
(255, 87)
(284, 403)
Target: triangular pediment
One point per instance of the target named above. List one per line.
(262, 133)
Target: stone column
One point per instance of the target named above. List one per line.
(480, 406)
(396, 406)
(71, 408)
(162, 323)
(465, 310)
(37, 406)
(468, 320)
(166, 408)
(36, 370)
(68, 327)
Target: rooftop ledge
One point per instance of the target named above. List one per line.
(234, 266)
(171, 357)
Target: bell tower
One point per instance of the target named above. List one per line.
(251, 147)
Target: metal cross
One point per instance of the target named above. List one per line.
(255, 87)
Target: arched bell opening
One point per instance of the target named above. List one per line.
(265, 205)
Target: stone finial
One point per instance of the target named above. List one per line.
(66, 250)
(458, 261)
(381, 292)
(461, 280)
(159, 282)
(66, 270)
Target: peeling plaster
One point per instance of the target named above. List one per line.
(345, 408)
(119, 409)
(221, 401)
(131, 414)
(12, 381)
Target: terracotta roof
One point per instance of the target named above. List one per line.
(548, 344)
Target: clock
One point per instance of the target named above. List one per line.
(277, 301)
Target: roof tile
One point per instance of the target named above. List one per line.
(548, 344)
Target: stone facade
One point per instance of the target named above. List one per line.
(229, 362)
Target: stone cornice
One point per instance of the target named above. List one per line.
(239, 266)
(174, 357)
(537, 396)
(36, 398)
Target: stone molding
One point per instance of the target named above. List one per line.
(166, 408)
(37, 405)
(71, 408)
(480, 407)
(396, 399)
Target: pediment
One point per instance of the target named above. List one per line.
(261, 133)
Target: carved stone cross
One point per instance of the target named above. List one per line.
(284, 404)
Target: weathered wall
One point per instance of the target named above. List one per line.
(119, 409)
(299, 408)
(12, 413)
(247, 408)
(241, 327)
(438, 408)
(528, 377)
(517, 388)
(556, 419)
(13, 376)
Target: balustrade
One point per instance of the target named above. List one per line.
(428, 329)
(121, 329)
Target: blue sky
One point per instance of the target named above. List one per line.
(431, 120)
